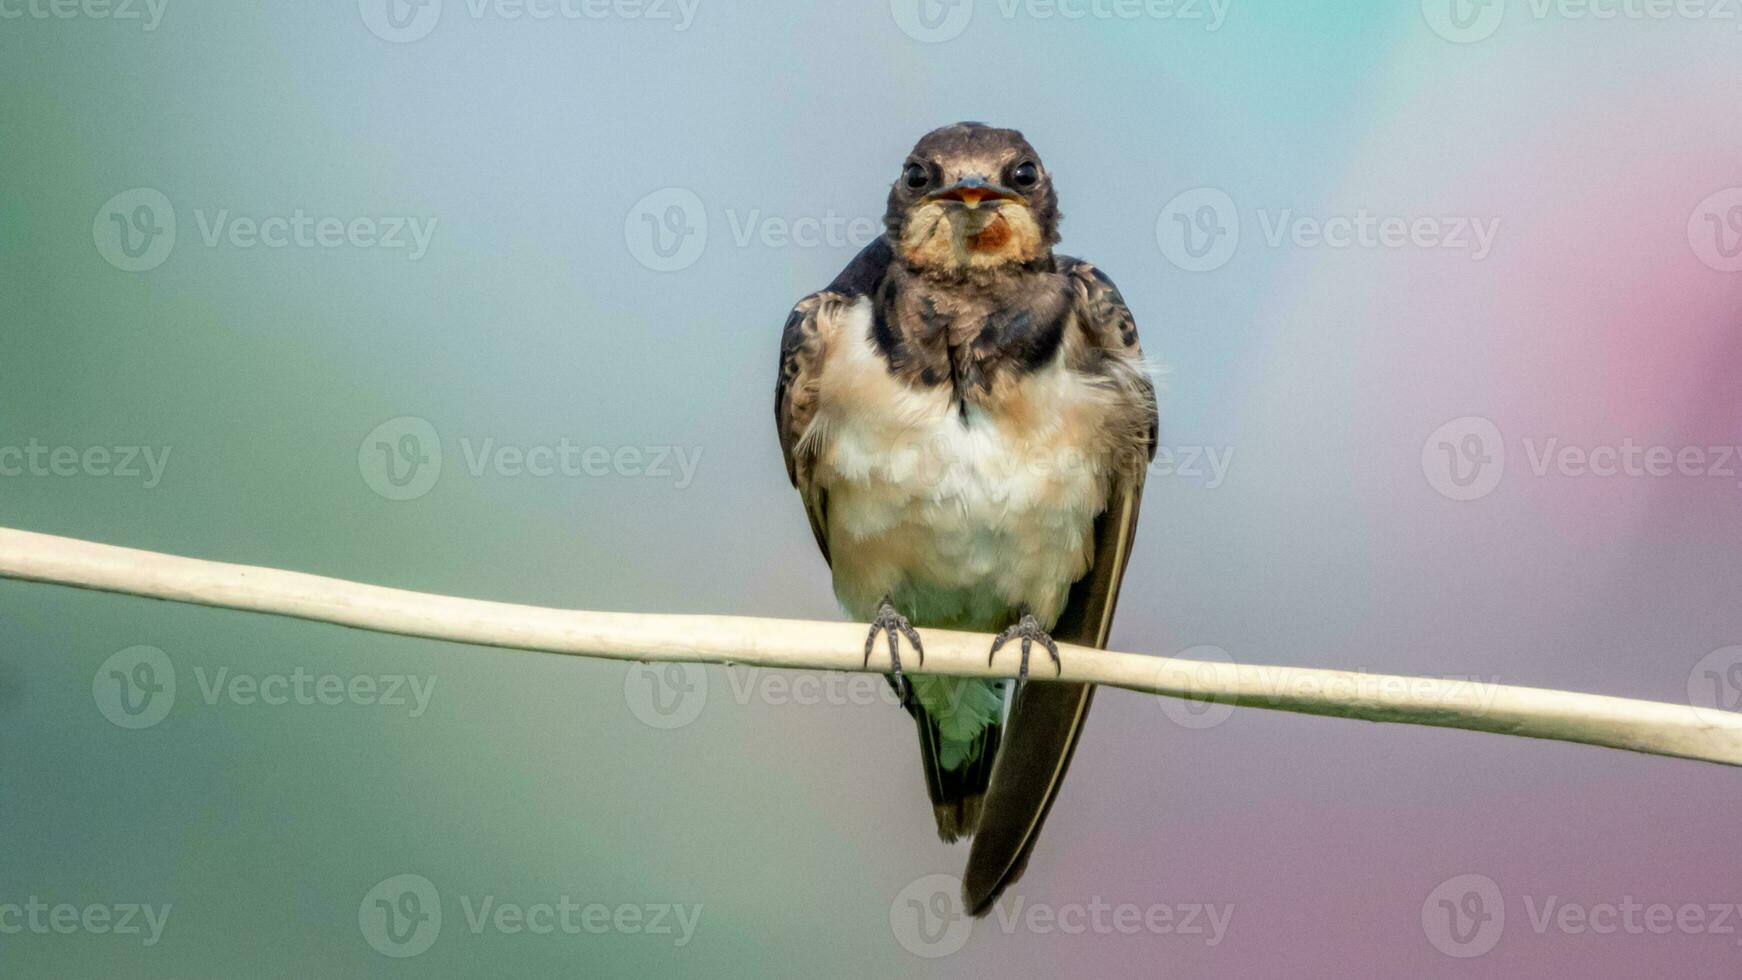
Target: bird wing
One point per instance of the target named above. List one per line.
(803, 345)
(795, 404)
(1046, 720)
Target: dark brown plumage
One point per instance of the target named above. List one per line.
(960, 333)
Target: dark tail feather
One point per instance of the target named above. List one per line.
(1043, 729)
(1044, 723)
(956, 794)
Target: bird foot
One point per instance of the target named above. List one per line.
(894, 625)
(1028, 629)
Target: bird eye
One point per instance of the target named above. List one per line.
(1026, 174)
(915, 176)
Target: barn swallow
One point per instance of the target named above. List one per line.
(967, 418)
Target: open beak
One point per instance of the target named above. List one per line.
(973, 191)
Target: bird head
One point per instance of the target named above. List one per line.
(972, 199)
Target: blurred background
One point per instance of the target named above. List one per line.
(482, 297)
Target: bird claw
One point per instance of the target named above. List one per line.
(894, 625)
(1028, 629)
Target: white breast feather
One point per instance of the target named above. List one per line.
(959, 523)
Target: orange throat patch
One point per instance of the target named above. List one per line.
(992, 238)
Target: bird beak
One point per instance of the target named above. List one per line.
(972, 191)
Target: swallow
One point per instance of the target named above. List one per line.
(967, 418)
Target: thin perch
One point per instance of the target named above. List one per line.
(1640, 726)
